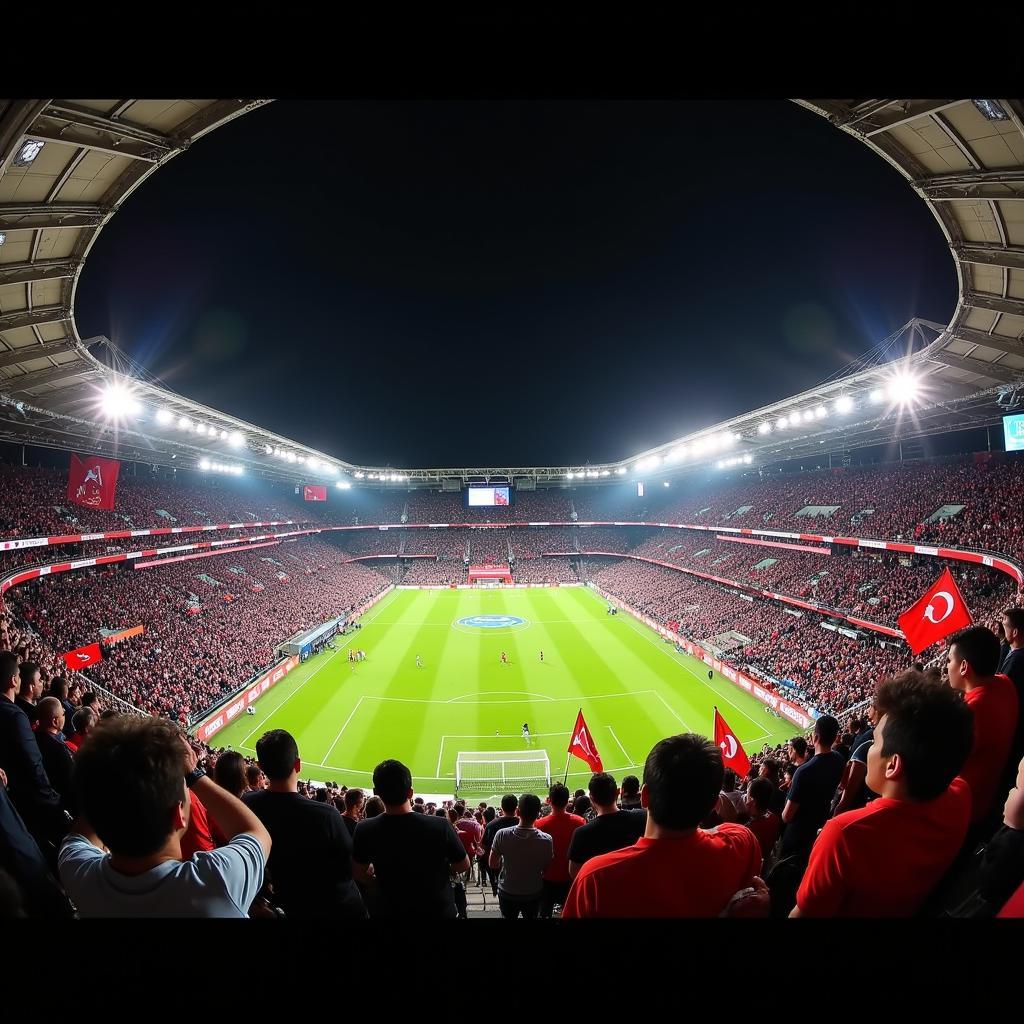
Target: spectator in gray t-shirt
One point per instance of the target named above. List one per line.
(522, 853)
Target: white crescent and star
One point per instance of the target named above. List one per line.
(929, 611)
(729, 747)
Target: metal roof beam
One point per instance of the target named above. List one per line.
(991, 256)
(901, 114)
(13, 385)
(996, 303)
(23, 355)
(979, 185)
(41, 270)
(83, 118)
(1000, 343)
(69, 135)
(994, 371)
(33, 317)
(30, 216)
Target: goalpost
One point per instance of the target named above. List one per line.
(478, 771)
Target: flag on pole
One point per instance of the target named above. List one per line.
(937, 613)
(733, 755)
(92, 481)
(82, 657)
(582, 745)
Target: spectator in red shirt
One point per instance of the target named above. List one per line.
(763, 823)
(560, 826)
(884, 859)
(676, 869)
(971, 662)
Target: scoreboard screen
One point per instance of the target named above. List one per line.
(1013, 432)
(488, 496)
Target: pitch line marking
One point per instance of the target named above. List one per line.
(310, 677)
(454, 700)
(344, 727)
(555, 700)
(616, 738)
(671, 711)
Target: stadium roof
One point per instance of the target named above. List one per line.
(67, 165)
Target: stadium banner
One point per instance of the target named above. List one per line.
(229, 712)
(111, 637)
(314, 492)
(92, 481)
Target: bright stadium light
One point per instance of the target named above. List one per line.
(200, 428)
(844, 404)
(748, 459)
(204, 464)
(184, 423)
(342, 485)
(236, 440)
(290, 456)
(649, 463)
(620, 470)
(903, 389)
(781, 424)
(821, 412)
(794, 419)
(117, 402)
(268, 449)
(764, 427)
(28, 152)
(606, 472)
(877, 396)
(808, 415)
(359, 474)
(570, 475)
(666, 483)
(164, 416)
(737, 436)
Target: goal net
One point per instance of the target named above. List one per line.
(490, 770)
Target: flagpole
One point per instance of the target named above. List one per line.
(567, 759)
(568, 756)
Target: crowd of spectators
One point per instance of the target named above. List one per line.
(544, 570)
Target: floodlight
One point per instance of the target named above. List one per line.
(3, 237)
(903, 388)
(782, 424)
(200, 428)
(794, 418)
(808, 415)
(30, 149)
(236, 440)
(204, 463)
(164, 416)
(821, 412)
(184, 423)
(118, 402)
(764, 427)
(621, 470)
(876, 396)
(991, 109)
(844, 404)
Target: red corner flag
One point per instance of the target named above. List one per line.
(939, 612)
(81, 657)
(582, 745)
(733, 755)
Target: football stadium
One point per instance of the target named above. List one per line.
(770, 666)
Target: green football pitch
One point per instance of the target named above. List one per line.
(633, 689)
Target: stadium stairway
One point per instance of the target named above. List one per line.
(481, 904)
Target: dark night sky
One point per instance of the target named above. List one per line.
(452, 283)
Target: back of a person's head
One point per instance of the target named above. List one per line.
(509, 804)
(929, 727)
(799, 745)
(8, 670)
(353, 799)
(581, 805)
(392, 782)
(59, 688)
(129, 777)
(83, 719)
(253, 776)
(683, 776)
(28, 672)
(979, 647)
(277, 752)
(89, 698)
(603, 789)
(558, 796)
(230, 772)
(771, 768)
(529, 808)
(728, 781)
(489, 814)
(1015, 619)
(374, 807)
(760, 791)
(630, 786)
(826, 729)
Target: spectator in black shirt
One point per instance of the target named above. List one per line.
(57, 758)
(809, 798)
(630, 799)
(409, 857)
(770, 770)
(354, 800)
(612, 828)
(31, 690)
(310, 863)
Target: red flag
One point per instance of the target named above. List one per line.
(939, 612)
(582, 745)
(314, 492)
(82, 657)
(92, 481)
(733, 755)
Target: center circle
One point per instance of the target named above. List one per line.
(492, 621)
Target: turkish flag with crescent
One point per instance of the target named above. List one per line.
(582, 745)
(939, 612)
(82, 657)
(92, 481)
(733, 755)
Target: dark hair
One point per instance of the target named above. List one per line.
(374, 806)
(683, 776)
(558, 796)
(728, 781)
(392, 782)
(59, 688)
(976, 645)
(603, 788)
(930, 727)
(353, 798)
(529, 807)
(440, 812)
(489, 814)
(129, 777)
(826, 729)
(82, 718)
(230, 772)
(416, 808)
(27, 671)
(799, 744)
(1016, 617)
(252, 774)
(630, 786)
(277, 752)
(579, 792)
(760, 791)
(89, 698)
(771, 766)
(581, 805)
(509, 804)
